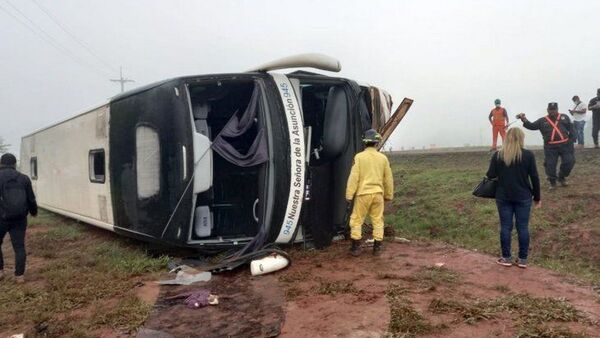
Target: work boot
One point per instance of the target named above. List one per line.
(376, 248)
(20, 279)
(552, 185)
(355, 249)
(563, 182)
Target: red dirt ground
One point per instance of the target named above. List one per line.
(255, 306)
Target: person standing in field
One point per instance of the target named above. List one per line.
(16, 201)
(499, 120)
(518, 183)
(594, 106)
(559, 135)
(369, 184)
(578, 113)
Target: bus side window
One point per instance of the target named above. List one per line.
(33, 168)
(97, 166)
(147, 161)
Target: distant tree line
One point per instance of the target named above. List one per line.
(4, 147)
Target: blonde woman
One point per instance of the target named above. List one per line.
(518, 184)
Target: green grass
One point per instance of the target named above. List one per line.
(333, 288)
(82, 269)
(433, 201)
(432, 277)
(532, 314)
(129, 314)
(405, 320)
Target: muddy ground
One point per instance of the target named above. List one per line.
(86, 282)
(331, 294)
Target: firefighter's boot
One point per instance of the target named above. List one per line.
(355, 249)
(377, 248)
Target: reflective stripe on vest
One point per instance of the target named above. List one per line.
(498, 116)
(556, 130)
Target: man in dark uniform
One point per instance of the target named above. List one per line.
(559, 136)
(594, 106)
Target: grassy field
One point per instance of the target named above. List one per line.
(80, 281)
(433, 201)
(85, 282)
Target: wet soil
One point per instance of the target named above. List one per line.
(248, 307)
(332, 294)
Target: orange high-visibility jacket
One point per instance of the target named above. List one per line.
(498, 116)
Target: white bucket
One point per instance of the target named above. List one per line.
(268, 264)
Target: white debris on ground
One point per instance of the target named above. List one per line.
(187, 275)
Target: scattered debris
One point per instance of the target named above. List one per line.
(401, 240)
(200, 299)
(439, 265)
(186, 276)
(197, 298)
(20, 335)
(268, 264)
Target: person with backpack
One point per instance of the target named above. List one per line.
(369, 184)
(17, 200)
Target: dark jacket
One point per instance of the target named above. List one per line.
(564, 125)
(7, 173)
(517, 182)
(593, 103)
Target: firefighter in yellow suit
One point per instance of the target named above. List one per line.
(369, 184)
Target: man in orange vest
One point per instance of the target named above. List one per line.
(499, 120)
(559, 136)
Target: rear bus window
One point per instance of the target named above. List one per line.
(147, 162)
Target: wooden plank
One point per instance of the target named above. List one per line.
(389, 127)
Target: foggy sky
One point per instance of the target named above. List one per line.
(452, 57)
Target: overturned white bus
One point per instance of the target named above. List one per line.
(212, 161)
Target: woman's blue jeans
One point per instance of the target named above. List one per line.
(514, 213)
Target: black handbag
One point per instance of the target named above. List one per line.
(486, 189)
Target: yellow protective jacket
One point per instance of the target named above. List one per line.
(370, 174)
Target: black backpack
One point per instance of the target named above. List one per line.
(13, 199)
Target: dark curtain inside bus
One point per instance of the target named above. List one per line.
(227, 143)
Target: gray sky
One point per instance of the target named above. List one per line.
(452, 57)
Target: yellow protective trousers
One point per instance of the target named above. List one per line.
(372, 205)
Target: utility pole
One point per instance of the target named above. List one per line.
(121, 80)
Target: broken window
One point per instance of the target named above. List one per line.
(229, 114)
(97, 166)
(147, 161)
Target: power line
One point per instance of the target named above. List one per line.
(42, 34)
(121, 80)
(73, 36)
